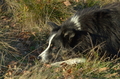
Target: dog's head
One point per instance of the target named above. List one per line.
(61, 37)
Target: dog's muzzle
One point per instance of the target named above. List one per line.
(39, 57)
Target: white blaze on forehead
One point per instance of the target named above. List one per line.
(75, 19)
(50, 40)
(45, 52)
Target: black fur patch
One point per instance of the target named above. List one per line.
(100, 27)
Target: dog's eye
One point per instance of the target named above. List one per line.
(51, 45)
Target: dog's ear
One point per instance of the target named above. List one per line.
(53, 26)
(68, 34)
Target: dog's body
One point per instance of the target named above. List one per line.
(86, 29)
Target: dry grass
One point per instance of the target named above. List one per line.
(26, 20)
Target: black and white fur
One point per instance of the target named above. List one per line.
(86, 29)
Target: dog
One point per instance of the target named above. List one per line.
(86, 29)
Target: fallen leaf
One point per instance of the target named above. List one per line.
(31, 57)
(69, 71)
(47, 65)
(103, 69)
(9, 67)
(76, 0)
(63, 64)
(24, 36)
(110, 75)
(10, 73)
(15, 66)
(26, 72)
(57, 69)
(7, 26)
(68, 76)
(13, 63)
(67, 3)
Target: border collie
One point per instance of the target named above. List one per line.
(86, 29)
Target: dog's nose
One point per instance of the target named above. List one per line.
(39, 57)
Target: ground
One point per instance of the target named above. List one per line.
(20, 47)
